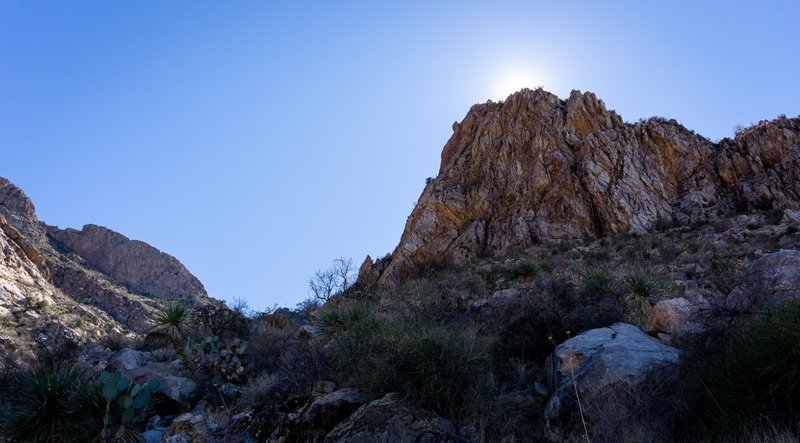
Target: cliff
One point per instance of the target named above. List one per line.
(66, 284)
(535, 168)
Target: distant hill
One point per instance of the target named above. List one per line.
(66, 284)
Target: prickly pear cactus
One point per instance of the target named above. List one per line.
(124, 401)
(225, 361)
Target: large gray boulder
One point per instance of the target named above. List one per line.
(608, 380)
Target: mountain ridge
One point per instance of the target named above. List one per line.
(537, 168)
(78, 285)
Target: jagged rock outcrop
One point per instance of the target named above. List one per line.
(78, 285)
(135, 264)
(535, 168)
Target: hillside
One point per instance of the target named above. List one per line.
(78, 285)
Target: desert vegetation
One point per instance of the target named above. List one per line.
(467, 343)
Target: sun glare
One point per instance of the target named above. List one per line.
(513, 79)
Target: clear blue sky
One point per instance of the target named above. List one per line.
(257, 141)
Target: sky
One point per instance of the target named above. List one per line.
(257, 141)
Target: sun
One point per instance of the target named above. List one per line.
(512, 79)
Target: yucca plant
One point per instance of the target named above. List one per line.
(599, 282)
(53, 403)
(643, 285)
(173, 323)
(330, 323)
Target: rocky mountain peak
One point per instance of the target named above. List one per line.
(135, 264)
(13, 201)
(77, 285)
(535, 168)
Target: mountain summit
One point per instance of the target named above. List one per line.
(536, 168)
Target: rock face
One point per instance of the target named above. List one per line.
(535, 167)
(771, 280)
(135, 264)
(393, 419)
(77, 285)
(610, 368)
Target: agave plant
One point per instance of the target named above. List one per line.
(53, 403)
(174, 322)
(643, 286)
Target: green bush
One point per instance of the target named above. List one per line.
(545, 319)
(525, 269)
(437, 367)
(172, 327)
(53, 403)
(598, 283)
(756, 379)
(642, 286)
(332, 322)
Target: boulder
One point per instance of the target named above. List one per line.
(770, 280)
(328, 410)
(172, 383)
(186, 428)
(127, 359)
(675, 318)
(608, 378)
(392, 419)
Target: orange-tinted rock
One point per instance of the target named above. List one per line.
(535, 167)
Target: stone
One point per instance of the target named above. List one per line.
(153, 436)
(675, 317)
(536, 168)
(328, 410)
(610, 368)
(770, 280)
(127, 359)
(171, 381)
(392, 419)
(791, 216)
(186, 428)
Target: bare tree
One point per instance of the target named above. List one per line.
(332, 281)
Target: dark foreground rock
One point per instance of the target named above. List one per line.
(618, 374)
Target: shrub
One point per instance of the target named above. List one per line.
(599, 282)
(756, 379)
(332, 322)
(221, 321)
(547, 316)
(642, 285)
(172, 323)
(295, 363)
(115, 341)
(437, 367)
(722, 271)
(53, 403)
(523, 269)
